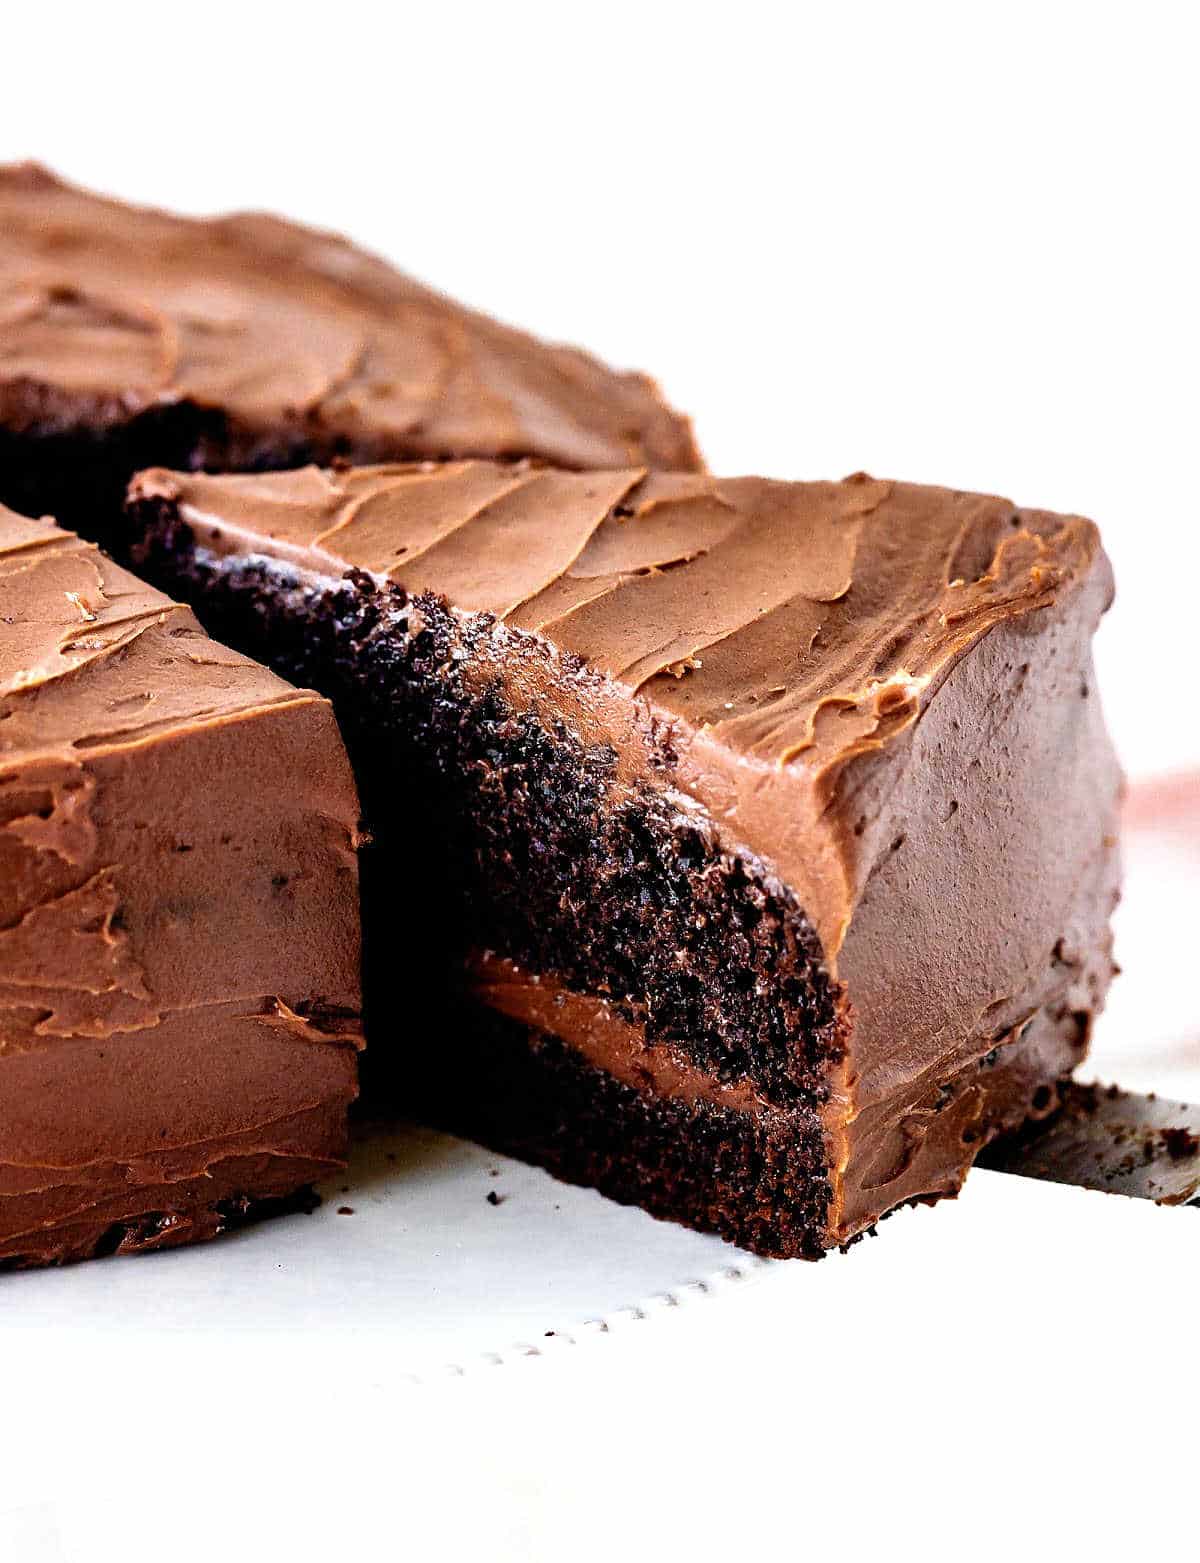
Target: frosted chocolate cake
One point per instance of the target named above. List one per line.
(771, 825)
(131, 337)
(179, 924)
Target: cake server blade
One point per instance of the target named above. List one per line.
(1113, 1140)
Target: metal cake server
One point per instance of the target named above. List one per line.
(1116, 1141)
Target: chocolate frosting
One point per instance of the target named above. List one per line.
(178, 914)
(107, 310)
(883, 691)
(598, 1031)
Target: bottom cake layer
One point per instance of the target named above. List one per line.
(756, 1174)
(758, 1180)
(191, 1127)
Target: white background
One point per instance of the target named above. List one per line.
(953, 244)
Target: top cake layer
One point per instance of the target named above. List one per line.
(107, 310)
(794, 627)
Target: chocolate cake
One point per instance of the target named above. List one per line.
(179, 927)
(773, 824)
(130, 338)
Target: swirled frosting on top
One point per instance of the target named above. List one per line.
(107, 310)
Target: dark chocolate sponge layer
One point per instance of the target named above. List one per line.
(760, 1181)
(55, 462)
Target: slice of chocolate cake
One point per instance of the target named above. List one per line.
(179, 983)
(130, 338)
(774, 823)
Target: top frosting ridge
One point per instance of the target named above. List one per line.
(791, 621)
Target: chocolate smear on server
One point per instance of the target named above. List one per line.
(1115, 1141)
